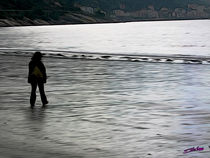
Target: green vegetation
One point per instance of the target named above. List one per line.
(35, 9)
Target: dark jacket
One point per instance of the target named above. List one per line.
(41, 67)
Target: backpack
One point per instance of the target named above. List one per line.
(37, 73)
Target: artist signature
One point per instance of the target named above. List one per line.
(193, 149)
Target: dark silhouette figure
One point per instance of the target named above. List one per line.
(37, 76)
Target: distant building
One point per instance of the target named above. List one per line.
(120, 13)
(179, 13)
(196, 7)
(151, 7)
(197, 11)
(164, 13)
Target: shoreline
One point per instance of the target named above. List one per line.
(40, 22)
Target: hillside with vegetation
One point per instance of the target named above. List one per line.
(43, 12)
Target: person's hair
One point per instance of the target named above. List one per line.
(37, 56)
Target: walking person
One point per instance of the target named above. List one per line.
(37, 76)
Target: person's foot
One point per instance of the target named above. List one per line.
(45, 103)
(32, 106)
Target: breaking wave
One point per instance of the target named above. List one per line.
(173, 59)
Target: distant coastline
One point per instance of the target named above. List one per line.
(65, 12)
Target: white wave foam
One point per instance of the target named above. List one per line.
(176, 59)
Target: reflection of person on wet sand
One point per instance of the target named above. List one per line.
(37, 76)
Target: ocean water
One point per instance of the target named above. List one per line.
(107, 108)
(164, 38)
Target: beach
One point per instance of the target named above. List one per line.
(106, 109)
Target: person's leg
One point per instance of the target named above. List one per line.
(42, 93)
(33, 94)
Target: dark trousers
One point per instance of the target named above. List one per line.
(41, 90)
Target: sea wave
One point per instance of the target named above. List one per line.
(173, 59)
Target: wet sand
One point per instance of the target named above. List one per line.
(106, 109)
